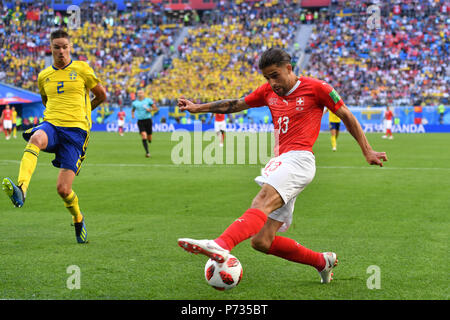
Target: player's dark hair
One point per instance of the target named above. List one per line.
(59, 34)
(274, 56)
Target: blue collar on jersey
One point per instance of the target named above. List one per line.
(63, 67)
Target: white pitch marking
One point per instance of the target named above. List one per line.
(169, 165)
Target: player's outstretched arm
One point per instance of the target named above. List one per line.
(221, 106)
(353, 126)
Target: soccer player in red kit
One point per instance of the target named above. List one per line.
(388, 116)
(296, 105)
(6, 118)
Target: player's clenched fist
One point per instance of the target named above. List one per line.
(186, 105)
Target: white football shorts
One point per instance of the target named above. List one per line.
(220, 126)
(289, 174)
(7, 124)
(120, 123)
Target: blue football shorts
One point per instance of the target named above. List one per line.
(68, 144)
(335, 125)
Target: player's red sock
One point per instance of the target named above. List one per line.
(241, 229)
(389, 132)
(291, 250)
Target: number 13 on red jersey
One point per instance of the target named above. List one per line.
(283, 123)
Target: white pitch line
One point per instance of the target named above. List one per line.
(171, 165)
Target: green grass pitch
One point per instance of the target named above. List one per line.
(395, 218)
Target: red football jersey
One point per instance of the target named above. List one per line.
(388, 115)
(297, 116)
(220, 117)
(7, 114)
(121, 115)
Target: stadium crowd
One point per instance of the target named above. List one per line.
(219, 60)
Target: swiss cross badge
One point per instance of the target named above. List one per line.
(273, 101)
(299, 101)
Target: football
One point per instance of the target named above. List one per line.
(223, 276)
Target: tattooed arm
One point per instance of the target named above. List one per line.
(221, 106)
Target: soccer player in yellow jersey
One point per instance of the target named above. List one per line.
(64, 88)
(335, 123)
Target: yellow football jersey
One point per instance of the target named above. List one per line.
(333, 117)
(67, 91)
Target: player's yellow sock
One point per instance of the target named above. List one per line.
(15, 132)
(28, 165)
(333, 142)
(71, 203)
